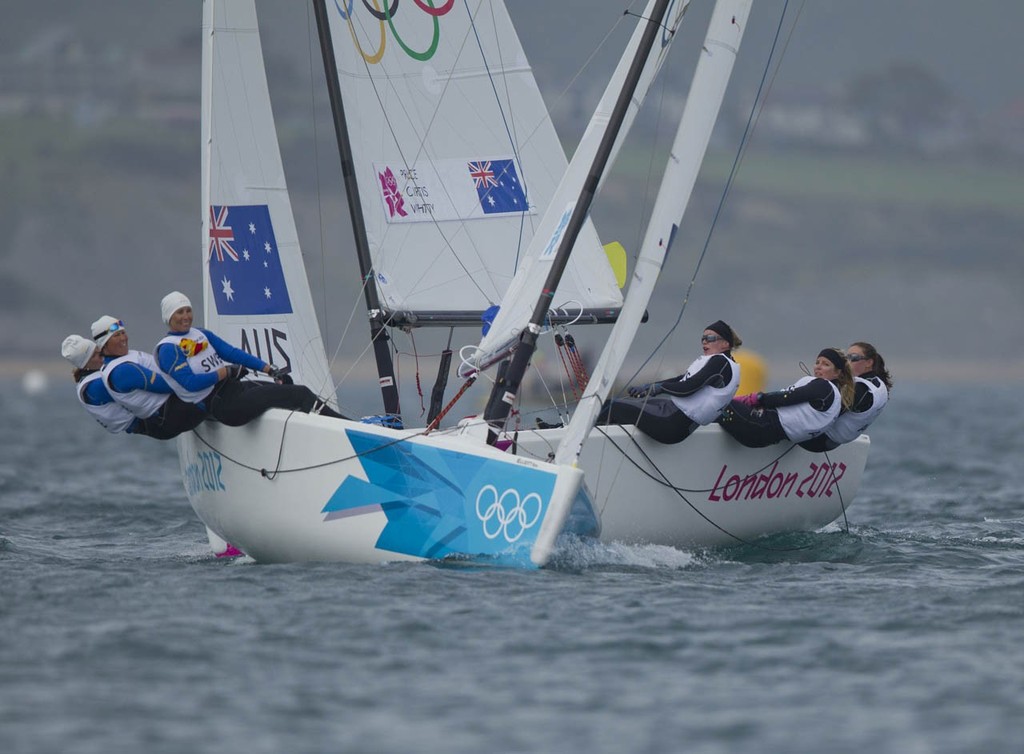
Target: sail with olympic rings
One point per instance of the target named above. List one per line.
(454, 152)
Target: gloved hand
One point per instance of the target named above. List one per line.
(236, 371)
(753, 399)
(279, 375)
(645, 391)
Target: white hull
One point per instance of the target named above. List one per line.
(451, 495)
(728, 494)
(293, 487)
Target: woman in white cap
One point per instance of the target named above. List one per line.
(670, 410)
(198, 365)
(132, 379)
(92, 393)
(802, 411)
(872, 383)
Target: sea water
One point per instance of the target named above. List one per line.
(896, 630)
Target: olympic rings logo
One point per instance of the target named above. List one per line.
(511, 522)
(386, 15)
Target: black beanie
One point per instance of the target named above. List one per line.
(722, 329)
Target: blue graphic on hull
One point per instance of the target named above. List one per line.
(442, 502)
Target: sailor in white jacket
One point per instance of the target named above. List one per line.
(871, 394)
(670, 410)
(804, 410)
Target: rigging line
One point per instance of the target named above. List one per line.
(572, 82)
(419, 151)
(775, 73)
(316, 169)
(369, 344)
(641, 17)
(506, 121)
(655, 479)
(835, 483)
(271, 475)
(264, 473)
(740, 152)
(646, 205)
(695, 509)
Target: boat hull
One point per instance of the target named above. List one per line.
(725, 494)
(294, 487)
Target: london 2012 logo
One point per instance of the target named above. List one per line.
(385, 17)
(508, 514)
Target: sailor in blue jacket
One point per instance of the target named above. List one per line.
(206, 370)
(133, 380)
(92, 393)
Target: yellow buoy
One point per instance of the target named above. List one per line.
(753, 372)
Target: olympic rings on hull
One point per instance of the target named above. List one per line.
(510, 522)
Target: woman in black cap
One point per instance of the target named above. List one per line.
(802, 411)
(668, 411)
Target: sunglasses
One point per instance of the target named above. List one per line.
(855, 357)
(710, 338)
(115, 327)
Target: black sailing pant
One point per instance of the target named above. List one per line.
(235, 402)
(819, 444)
(658, 418)
(753, 427)
(173, 418)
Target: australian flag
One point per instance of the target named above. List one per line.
(498, 186)
(245, 269)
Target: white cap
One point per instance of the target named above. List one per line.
(171, 303)
(77, 350)
(101, 329)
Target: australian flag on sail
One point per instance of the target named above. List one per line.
(245, 269)
(498, 186)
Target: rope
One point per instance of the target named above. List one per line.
(437, 419)
(679, 491)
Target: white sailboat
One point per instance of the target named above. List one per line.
(461, 199)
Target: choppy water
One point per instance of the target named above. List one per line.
(120, 632)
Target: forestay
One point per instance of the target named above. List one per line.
(455, 155)
(519, 301)
(255, 290)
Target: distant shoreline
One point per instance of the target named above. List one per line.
(916, 371)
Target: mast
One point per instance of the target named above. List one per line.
(506, 388)
(378, 323)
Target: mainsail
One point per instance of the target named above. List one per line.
(455, 157)
(255, 290)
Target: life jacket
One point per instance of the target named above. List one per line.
(706, 404)
(201, 357)
(851, 424)
(111, 415)
(141, 403)
(803, 421)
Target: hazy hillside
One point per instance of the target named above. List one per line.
(918, 253)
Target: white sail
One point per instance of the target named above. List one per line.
(455, 155)
(518, 303)
(710, 79)
(255, 290)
